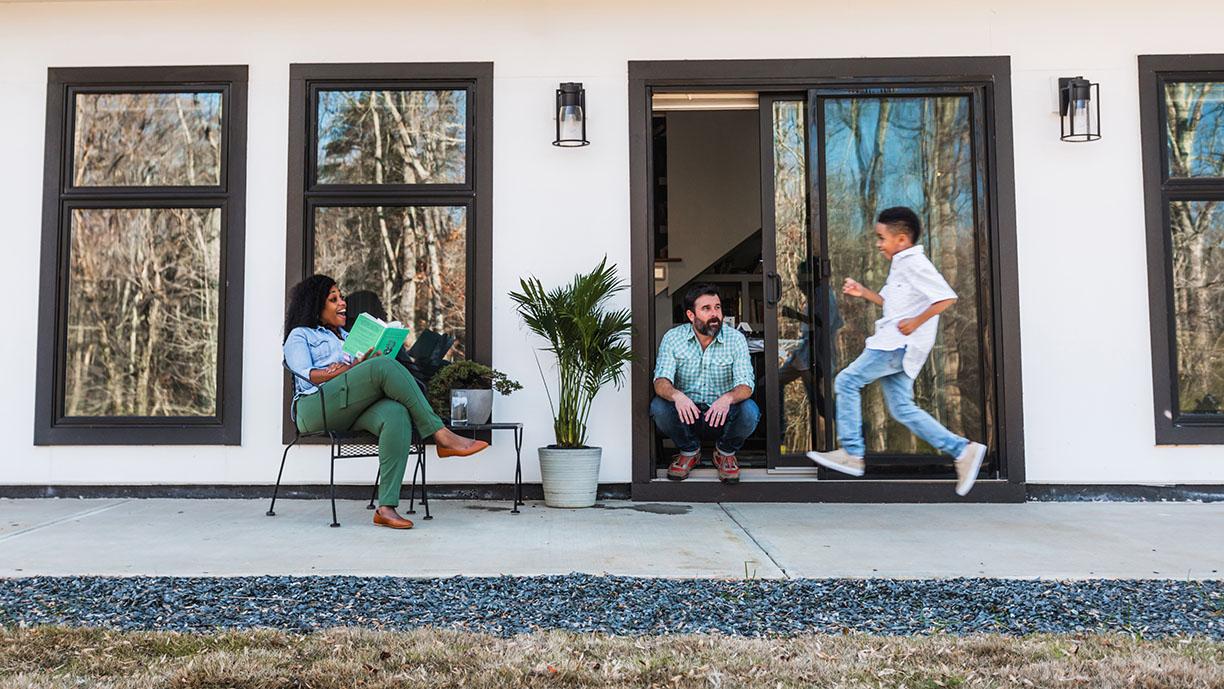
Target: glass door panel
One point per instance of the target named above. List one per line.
(794, 385)
(878, 151)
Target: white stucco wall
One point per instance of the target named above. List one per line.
(1084, 312)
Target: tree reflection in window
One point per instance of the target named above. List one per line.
(146, 139)
(392, 137)
(143, 326)
(916, 152)
(413, 257)
(1194, 118)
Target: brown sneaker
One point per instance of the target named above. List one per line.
(728, 470)
(681, 466)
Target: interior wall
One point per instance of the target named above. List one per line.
(1081, 252)
(713, 187)
(713, 194)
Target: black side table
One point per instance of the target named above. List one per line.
(518, 452)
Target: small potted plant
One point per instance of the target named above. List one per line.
(471, 380)
(591, 349)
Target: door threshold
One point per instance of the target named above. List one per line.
(760, 487)
(802, 475)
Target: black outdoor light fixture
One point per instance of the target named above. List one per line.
(1079, 108)
(571, 115)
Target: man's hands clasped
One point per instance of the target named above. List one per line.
(689, 412)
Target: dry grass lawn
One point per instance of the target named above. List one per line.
(56, 657)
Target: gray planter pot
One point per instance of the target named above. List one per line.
(479, 404)
(570, 476)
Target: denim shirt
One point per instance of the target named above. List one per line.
(310, 348)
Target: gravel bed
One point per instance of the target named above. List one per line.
(621, 605)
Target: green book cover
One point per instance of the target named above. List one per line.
(372, 333)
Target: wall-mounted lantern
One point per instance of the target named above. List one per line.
(571, 115)
(1079, 108)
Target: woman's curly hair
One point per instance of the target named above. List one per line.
(306, 301)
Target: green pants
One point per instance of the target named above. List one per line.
(381, 397)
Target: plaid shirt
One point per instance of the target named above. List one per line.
(704, 376)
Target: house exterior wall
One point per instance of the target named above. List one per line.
(1082, 260)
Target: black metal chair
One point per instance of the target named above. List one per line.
(352, 445)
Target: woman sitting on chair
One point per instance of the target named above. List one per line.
(369, 392)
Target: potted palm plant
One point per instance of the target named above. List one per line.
(590, 344)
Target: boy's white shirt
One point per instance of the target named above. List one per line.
(913, 285)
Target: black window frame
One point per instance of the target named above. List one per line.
(60, 197)
(475, 193)
(1173, 427)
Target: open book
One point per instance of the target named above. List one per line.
(372, 333)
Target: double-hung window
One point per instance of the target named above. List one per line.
(140, 332)
(1182, 98)
(390, 181)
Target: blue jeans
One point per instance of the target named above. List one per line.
(742, 419)
(873, 365)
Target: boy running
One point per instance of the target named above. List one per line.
(913, 297)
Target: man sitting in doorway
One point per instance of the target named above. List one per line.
(704, 383)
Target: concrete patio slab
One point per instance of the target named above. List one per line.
(1045, 540)
(19, 516)
(234, 537)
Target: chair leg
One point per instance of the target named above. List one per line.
(271, 508)
(424, 483)
(335, 522)
(373, 491)
(412, 489)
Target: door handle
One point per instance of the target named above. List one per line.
(821, 269)
(775, 281)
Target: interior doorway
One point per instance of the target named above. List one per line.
(769, 192)
(707, 225)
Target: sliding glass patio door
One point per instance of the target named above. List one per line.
(831, 160)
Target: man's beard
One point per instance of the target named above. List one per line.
(710, 328)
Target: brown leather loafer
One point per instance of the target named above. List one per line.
(477, 446)
(395, 522)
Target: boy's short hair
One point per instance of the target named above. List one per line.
(902, 219)
(701, 289)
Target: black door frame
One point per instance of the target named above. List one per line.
(794, 75)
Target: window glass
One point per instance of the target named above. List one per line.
(915, 152)
(392, 137)
(412, 257)
(142, 319)
(146, 139)
(1194, 119)
(798, 377)
(1198, 304)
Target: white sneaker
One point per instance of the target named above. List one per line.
(839, 460)
(967, 466)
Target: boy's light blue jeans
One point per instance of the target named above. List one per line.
(873, 365)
